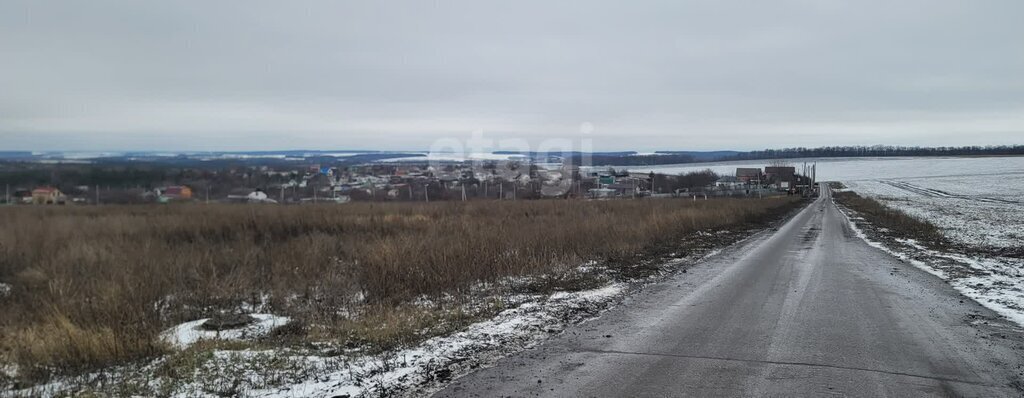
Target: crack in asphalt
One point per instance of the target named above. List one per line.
(785, 363)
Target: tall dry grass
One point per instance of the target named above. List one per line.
(896, 221)
(94, 286)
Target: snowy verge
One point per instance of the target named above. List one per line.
(289, 372)
(996, 283)
(429, 365)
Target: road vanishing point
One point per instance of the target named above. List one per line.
(809, 309)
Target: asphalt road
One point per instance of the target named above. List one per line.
(808, 310)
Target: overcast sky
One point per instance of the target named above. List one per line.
(649, 75)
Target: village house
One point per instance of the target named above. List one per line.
(23, 196)
(729, 183)
(47, 196)
(624, 188)
(749, 175)
(172, 193)
(781, 177)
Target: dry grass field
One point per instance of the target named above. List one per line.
(94, 286)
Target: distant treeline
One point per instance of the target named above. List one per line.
(632, 160)
(791, 153)
(877, 151)
(32, 175)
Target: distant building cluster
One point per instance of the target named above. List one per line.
(772, 179)
(510, 180)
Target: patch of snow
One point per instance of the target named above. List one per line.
(9, 370)
(5, 289)
(588, 266)
(712, 253)
(591, 295)
(188, 333)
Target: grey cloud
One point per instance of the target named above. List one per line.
(688, 74)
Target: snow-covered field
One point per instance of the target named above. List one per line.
(985, 212)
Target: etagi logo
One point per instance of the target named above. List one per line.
(552, 165)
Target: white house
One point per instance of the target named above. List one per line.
(729, 182)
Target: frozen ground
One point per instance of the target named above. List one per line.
(977, 202)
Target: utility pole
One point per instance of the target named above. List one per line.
(501, 190)
(814, 174)
(282, 194)
(97, 194)
(426, 193)
(463, 192)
